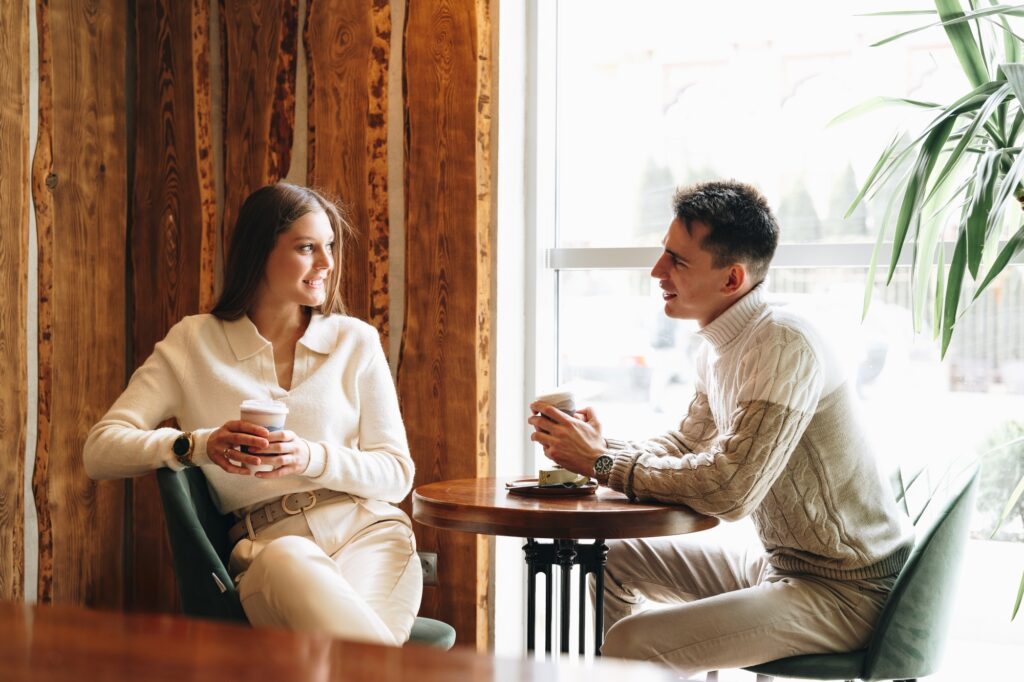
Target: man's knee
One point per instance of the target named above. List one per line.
(626, 639)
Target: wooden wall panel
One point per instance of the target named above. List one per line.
(79, 184)
(172, 232)
(444, 369)
(14, 179)
(259, 45)
(348, 52)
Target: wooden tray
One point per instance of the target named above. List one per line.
(527, 487)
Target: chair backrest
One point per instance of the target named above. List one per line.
(199, 543)
(911, 632)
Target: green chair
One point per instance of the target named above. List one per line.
(908, 641)
(199, 544)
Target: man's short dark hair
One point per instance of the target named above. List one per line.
(741, 227)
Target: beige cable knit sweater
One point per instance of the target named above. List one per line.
(342, 402)
(773, 432)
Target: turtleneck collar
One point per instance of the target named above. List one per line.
(727, 326)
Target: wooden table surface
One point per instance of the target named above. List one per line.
(72, 644)
(482, 505)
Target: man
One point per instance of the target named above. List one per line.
(773, 433)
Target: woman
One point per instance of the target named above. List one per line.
(320, 548)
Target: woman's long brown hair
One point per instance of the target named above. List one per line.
(265, 214)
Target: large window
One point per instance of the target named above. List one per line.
(634, 99)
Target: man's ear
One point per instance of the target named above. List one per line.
(736, 278)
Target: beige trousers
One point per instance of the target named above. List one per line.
(727, 608)
(347, 568)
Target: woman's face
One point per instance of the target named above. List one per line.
(299, 264)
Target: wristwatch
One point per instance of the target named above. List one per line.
(182, 449)
(603, 465)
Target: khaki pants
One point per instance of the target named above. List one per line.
(347, 568)
(727, 608)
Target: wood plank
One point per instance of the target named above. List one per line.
(81, 208)
(444, 369)
(486, 170)
(14, 179)
(172, 233)
(68, 644)
(259, 45)
(348, 47)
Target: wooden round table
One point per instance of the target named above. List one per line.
(484, 506)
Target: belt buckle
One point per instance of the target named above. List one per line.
(292, 512)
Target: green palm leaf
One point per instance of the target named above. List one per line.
(979, 209)
(1020, 593)
(970, 54)
(954, 282)
(877, 103)
(909, 210)
(968, 136)
(886, 153)
(1009, 250)
(952, 15)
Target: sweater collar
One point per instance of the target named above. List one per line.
(245, 339)
(320, 336)
(727, 326)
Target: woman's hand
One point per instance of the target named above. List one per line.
(286, 452)
(571, 442)
(224, 443)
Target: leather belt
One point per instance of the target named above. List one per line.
(277, 510)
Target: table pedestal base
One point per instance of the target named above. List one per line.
(542, 558)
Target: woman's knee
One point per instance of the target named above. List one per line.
(286, 558)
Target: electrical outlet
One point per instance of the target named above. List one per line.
(428, 560)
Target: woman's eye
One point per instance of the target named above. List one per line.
(306, 248)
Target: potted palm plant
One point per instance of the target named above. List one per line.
(964, 183)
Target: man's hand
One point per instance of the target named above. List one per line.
(571, 442)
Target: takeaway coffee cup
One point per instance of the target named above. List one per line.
(562, 400)
(270, 414)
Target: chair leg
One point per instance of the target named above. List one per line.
(712, 676)
(765, 678)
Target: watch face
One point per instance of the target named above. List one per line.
(180, 446)
(603, 464)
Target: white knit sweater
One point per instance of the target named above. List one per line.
(342, 402)
(773, 432)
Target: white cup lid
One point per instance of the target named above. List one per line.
(264, 406)
(557, 399)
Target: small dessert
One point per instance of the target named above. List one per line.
(560, 477)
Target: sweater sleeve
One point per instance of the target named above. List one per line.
(380, 467)
(126, 441)
(731, 474)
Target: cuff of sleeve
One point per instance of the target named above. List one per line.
(621, 477)
(317, 460)
(200, 438)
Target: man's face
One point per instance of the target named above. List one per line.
(693, 289)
